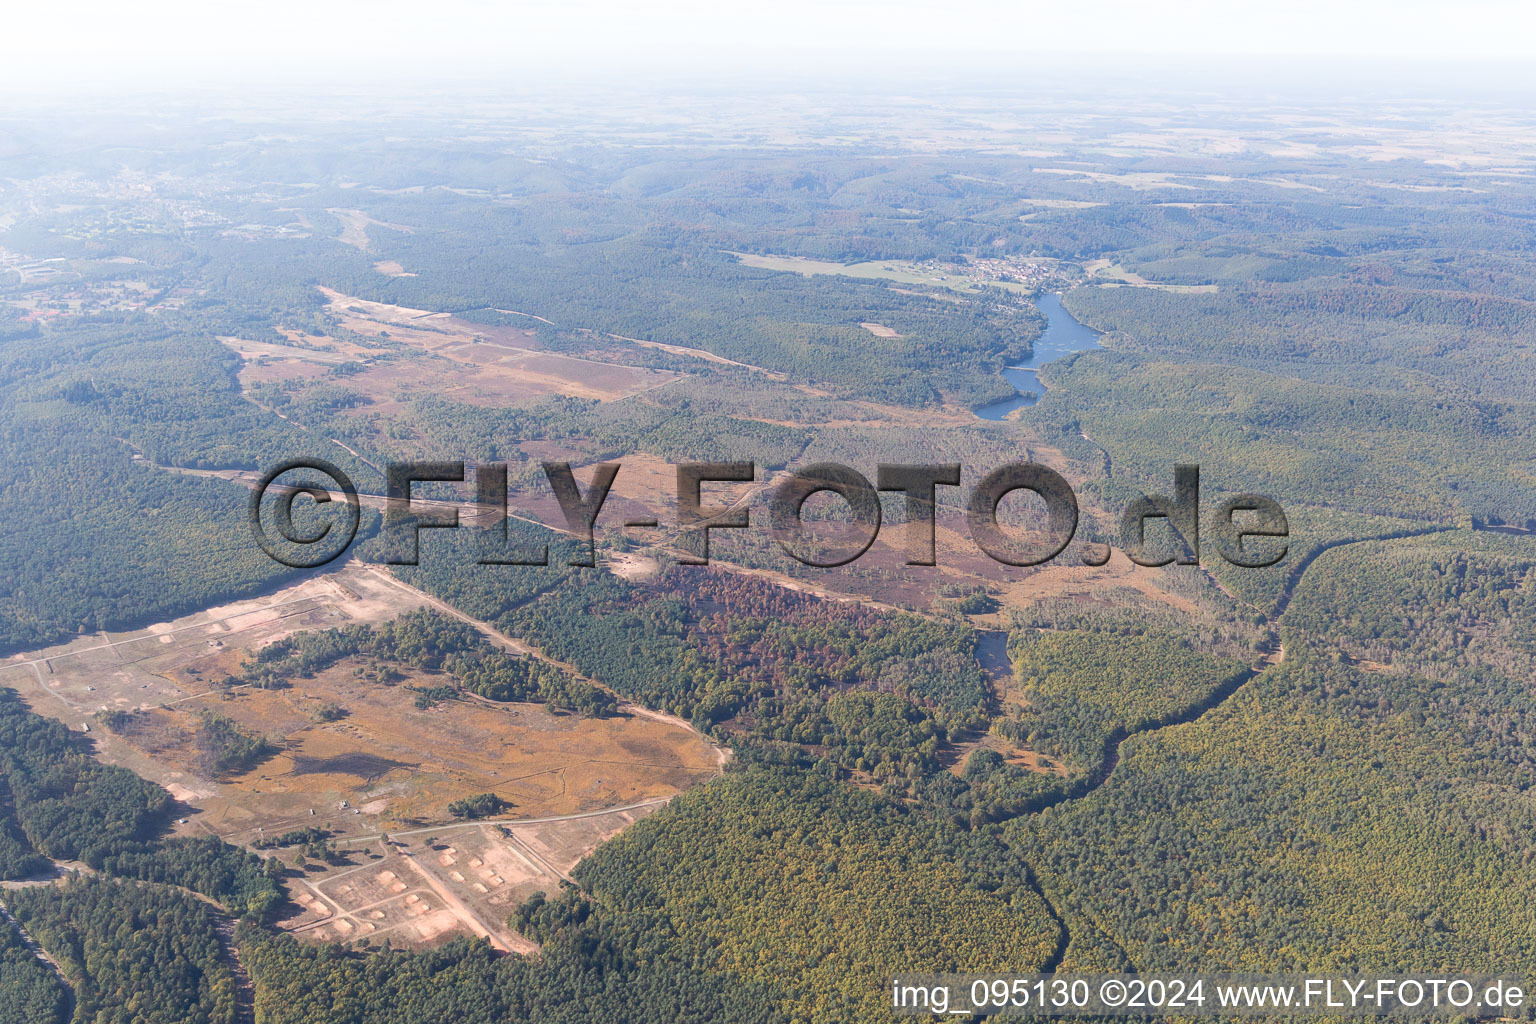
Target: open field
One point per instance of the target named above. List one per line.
(480, 364)
(646, 485)
(881, 576)
(384, 764)
(305, 356)
(392, 765)
(1139, 181)
(698, 353)
(968, 280)
(136, 669)
(900, 271)
(1012, 753)
(1062, 204)
(354, 227)
(1110, 274)
(324, 351)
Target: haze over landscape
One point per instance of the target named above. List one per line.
(1285, 251)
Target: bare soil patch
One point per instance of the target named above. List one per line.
(385, 764)
(422, 887)
(480, 364)
(354, 227)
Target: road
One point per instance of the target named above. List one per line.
(43, 955)
(439, 829)
(504, 941)
(525, 649)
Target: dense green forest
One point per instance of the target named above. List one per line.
(702, 912)
(1080, 689)
(31, 994)
(98, 539)
(586, 974)
(1344, 447)
(132, 953)
(68, 805)
(824, 884)
(752, 661)
(1392, 803)
(1079, 694)
(65, 805)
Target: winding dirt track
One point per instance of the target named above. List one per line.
(43, 955)
(526, 649)
(224, 930)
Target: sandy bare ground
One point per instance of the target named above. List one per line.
(468, 918)
(421, 886)
(168, 674)
(483, 365)
(354, 227)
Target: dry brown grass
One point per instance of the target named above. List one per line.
(479, 364)
(542, 763)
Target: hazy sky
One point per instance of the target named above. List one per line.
(60, 47)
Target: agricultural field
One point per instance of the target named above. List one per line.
(967, 276)
(1109, 274)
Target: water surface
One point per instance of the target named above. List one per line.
(1063, 336)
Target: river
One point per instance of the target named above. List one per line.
(1063, 336)
(992, 654)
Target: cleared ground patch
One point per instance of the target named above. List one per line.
(479, 364)
(422, 887)
(1062, 204)
(1110, 274)
(697, 353)
(384, 764)
(900, 271)
(354, 227)
(405, 764)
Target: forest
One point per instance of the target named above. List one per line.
(31, 993)
(100, 539)
(673, 924)
(132, 953)
(1359, 777)
(724, 650)
(426, 639)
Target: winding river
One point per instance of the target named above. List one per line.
(1063, 336)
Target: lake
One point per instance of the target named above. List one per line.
(1063, 336)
